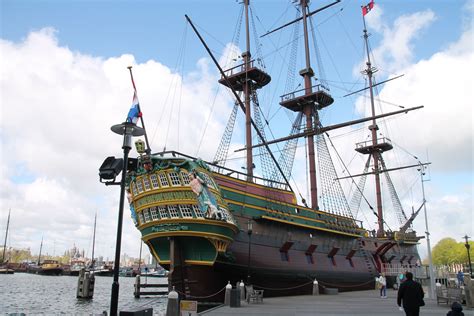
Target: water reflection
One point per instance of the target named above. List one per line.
(38, 294)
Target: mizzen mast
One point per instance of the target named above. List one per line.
(375, 147)
(246, 78)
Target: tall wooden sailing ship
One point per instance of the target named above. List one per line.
(209, 224)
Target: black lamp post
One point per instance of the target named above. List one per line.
(128, 130)
(468, 254)
(249, 231)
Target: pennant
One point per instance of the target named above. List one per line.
(134, 112)
(366, 9)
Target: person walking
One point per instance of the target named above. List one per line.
(460, 277)
(411, 294)
(382, 285)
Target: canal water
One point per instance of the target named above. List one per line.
(33, 294)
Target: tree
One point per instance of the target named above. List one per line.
(448, 251)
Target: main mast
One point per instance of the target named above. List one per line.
(308, 108)
(312, 98)
(246, 86)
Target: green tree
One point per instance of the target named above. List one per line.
(448, 251)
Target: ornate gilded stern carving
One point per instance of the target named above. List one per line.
(219, 244)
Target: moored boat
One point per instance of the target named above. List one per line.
(6, 270)
(4, 265)
(47, 267)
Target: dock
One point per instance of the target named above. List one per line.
(143, 289)
(357, 303)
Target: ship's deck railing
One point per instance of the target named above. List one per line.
(368, 143)
(294, 94)
(239, 68)
(420, 272)
(229, 172)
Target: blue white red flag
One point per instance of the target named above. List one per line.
(134, 112)
(366, 9)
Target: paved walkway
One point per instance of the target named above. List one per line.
(349, 303)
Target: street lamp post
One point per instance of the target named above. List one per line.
(468, 254)
(128, 130)
(430, 260)
(249, 232)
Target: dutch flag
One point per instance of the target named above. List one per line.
(134, 112)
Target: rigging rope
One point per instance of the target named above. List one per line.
(167, 104)
(332, 195)
(402, 218)
(322, 73)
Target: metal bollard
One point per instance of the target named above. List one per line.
(172, 309)
(242, 290)
(228, 287)
(137, 287)
(315, 287)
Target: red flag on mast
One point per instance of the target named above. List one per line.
(366, 9)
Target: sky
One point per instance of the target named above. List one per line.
(64, 82)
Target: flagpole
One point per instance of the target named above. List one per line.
(148, 150)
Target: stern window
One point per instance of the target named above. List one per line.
(186, 210)
(146, 216)
(154, 181)
(185, 177)
(146, 181)
(154, 215)
(134, 189)
(175, 180)
(164, 180)
(174, 213)
(139, 186)
(163, 212)
(197, 211)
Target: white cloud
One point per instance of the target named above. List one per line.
(57, 109)
(396, 48)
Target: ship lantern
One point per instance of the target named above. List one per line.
(140, 146)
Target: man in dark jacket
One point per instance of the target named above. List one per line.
(456, 310)
(411, 293)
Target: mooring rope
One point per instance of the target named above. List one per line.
(348, 286)
(282, 289)
(183, 294)
(191, 296)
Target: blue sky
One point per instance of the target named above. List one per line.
(63, 68)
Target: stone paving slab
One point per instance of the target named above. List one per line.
(356, 303)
